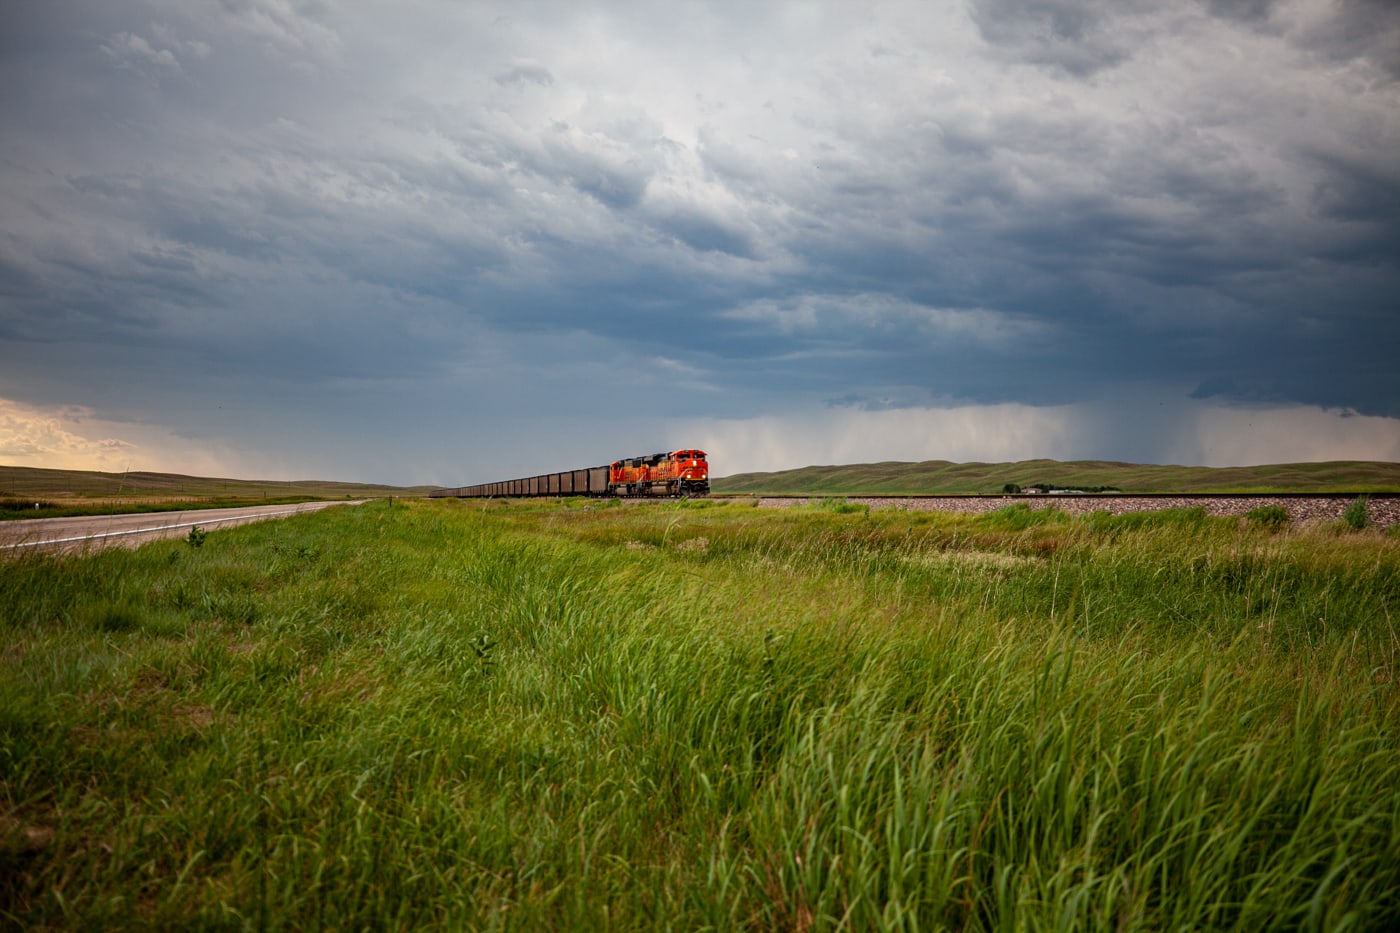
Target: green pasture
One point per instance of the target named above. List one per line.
(689, 716)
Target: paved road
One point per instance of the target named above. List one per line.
(94, 532)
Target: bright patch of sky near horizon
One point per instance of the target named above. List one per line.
(444, 242)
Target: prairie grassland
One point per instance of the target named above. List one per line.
(693, 716)
(942, 477)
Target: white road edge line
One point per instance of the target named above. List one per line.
(140, 531)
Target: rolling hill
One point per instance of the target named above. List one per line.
(935, 477)
(84, 485)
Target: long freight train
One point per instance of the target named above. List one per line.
(678, 473)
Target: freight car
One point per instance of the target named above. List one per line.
(677, 473)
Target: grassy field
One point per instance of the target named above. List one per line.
(704, 716)
(80, 492)
(941, 477)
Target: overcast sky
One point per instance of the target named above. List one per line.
(452, 242)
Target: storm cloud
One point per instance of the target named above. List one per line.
(440, 243)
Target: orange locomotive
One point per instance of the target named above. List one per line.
(677, 473)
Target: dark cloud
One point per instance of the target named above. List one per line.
(526, 73)
(1244, 11)
(1353, 191)
(706, 234)
(1080, 37)
(877, 212)
(1357, 30)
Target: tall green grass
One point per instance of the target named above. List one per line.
(557, 715)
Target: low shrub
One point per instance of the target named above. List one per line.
(1021, 516)
(1269, 516)
(1355, 517)
(840, 506)
(1183, 519)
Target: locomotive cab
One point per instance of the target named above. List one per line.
(692, 472)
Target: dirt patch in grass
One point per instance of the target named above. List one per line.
(193, 716)
(24, 837)
(356, 687)
(970, 560)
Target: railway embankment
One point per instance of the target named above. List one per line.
(1382, 511)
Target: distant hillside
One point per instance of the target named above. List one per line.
(934, 477)
(34, 483)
